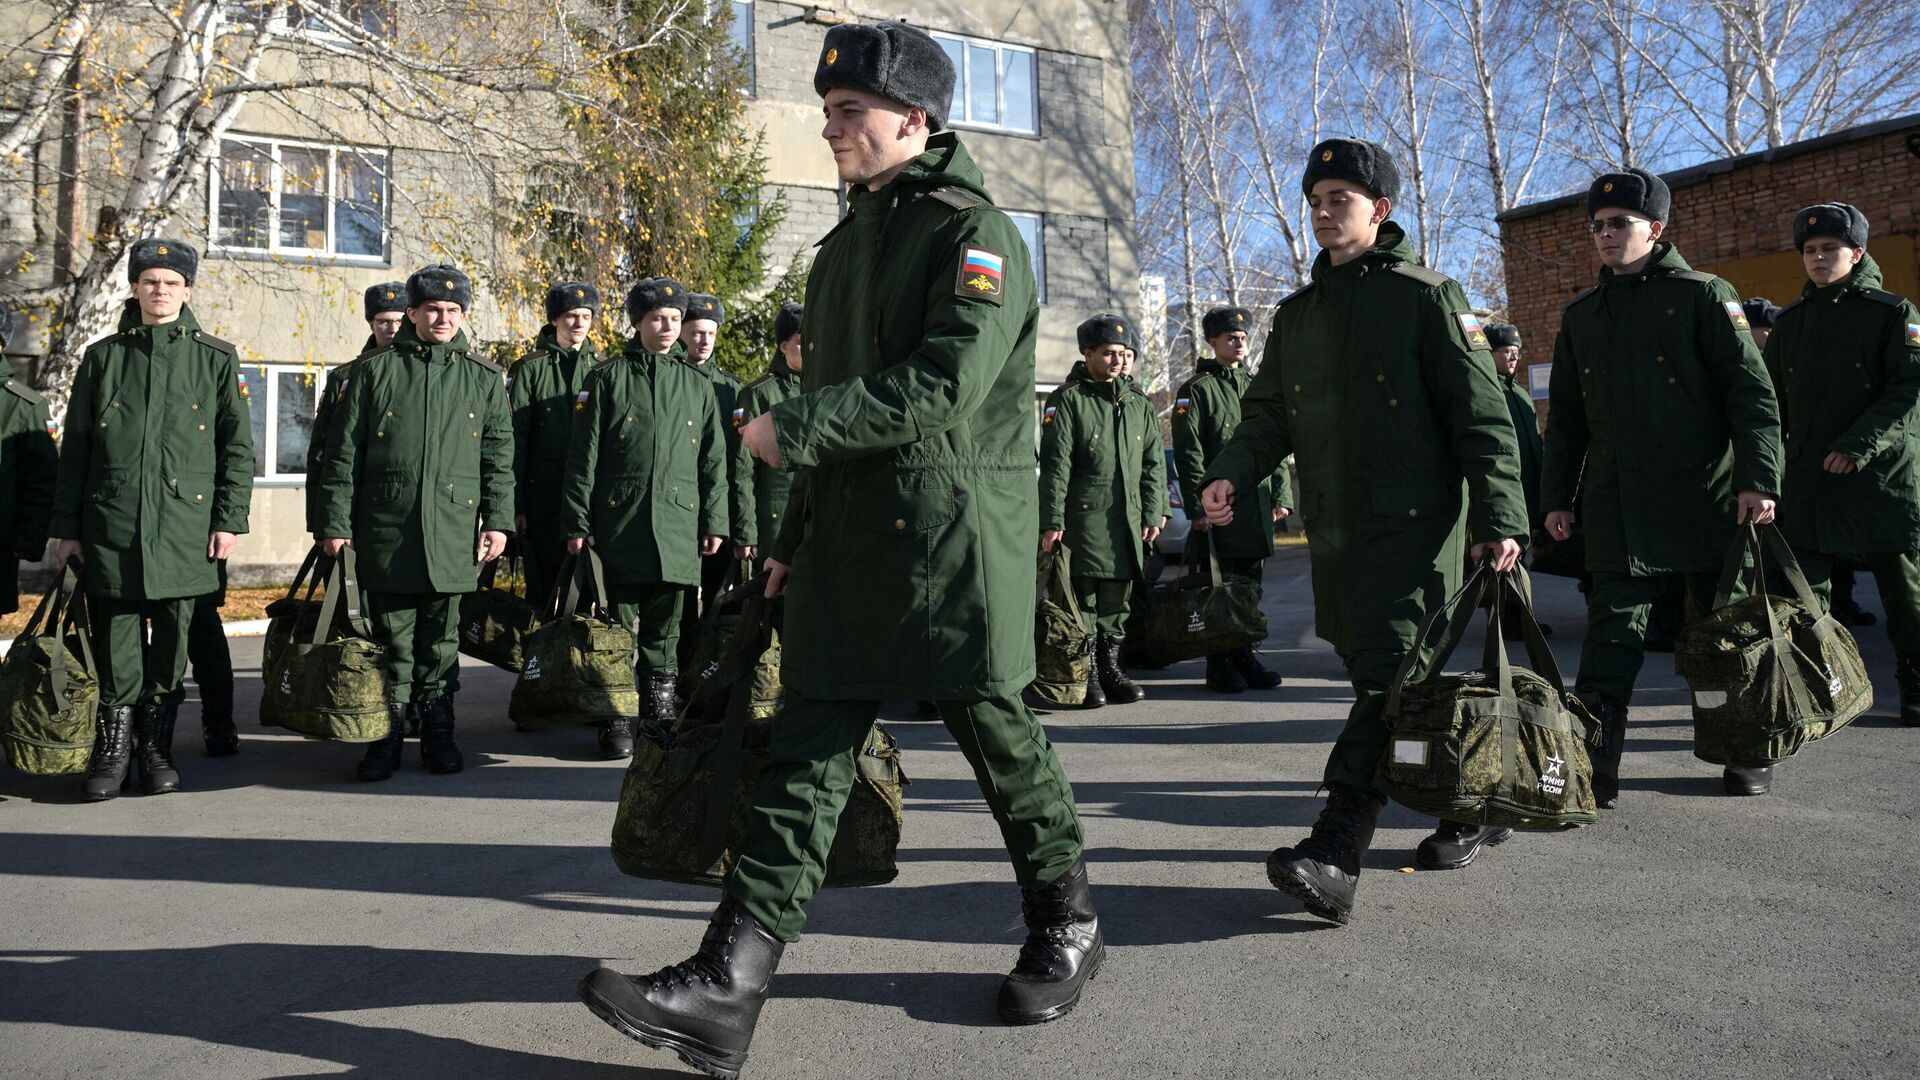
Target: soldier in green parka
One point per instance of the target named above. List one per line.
(759, 490)
(385, 306)
(1845, 360)
(28, 462)
(156, 479)
(1504, 342)
(1206, 410)
(1662, 418)
(1376, 378)
(1103, 492)
(645, 485)
(906, 558)
(418, 477)
(542, 388)
(700, 334)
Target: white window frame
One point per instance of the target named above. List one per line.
(1037, 250)
(1001, 51)
(272, 147)
(753, 42)
(267, 398)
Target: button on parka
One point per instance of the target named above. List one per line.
(1102, 473)
(157, 453)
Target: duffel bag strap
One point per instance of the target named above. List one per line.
(1056, 579)
(350, 580)
(598, 570)
(1539, 655)
(1790, 567)
(1458, 611)
(743, 651)
(63, 606)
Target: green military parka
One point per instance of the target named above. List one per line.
(1206, 411)
(542, 388)
(28, 463)
(1102, 473)
(759, 492)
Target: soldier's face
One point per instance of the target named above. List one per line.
(1103, 363)
(700, 336)
(570, 329)
(659, 329)
(386, 327)
(870, 136)
(1126, 362)
(1624, 238)
(436, 321)
(1829, 259)
(161, 294)
(1506, 359)
(791, 352)
(1345, 218)
(1229, 348)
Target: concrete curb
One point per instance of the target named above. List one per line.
(241, 628)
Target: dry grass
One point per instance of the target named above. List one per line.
(242, 604)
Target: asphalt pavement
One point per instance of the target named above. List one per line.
(279, 919)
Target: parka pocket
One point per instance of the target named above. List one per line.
(1089, 493)
(900, 512)
(1412, 502)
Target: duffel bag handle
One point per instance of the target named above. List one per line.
(580, 571)
(343, 584)
(1056, 578)
(1201, 538)
(1749, 554)
(756, 624)
(1458, 611)
(1539, 654)
(1789, 566)
(63, 606)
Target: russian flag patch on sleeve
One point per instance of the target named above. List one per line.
(1182, 406)
(739, 418)
(1051, 412)
(1913, 333)
(983, 273)
(580, 402)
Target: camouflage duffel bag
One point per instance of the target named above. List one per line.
(495, 621)
(49, 692)
(331, 683)
(1500, 746)
(1063, 651)
(1769, 673)
(1199, 613)
(579, 664)
(714, 633)
(683, 806)
(291, 618)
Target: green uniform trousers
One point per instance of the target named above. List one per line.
(652, 612)
(811, 770)
(421, 633)
(140, 647)
(542, 550)
(1615, 645)
(1898, 576)
(1104, 604)
(1356, 753)
(207, 645)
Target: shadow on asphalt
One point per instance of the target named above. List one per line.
(179, 992)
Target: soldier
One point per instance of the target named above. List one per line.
(909, 550)
(1376, 378)
(646, 486)
(1206, 410)
(543, 386)
(385, 306)
(1845, 360)
(1760, 315)
(156, 477)
(1103, 489)
(418, 478)
(28, 462)
(1504, 342)
(759, 490)
(1661, 412)
(699, 333)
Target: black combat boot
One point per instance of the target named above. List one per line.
(1096, 696)
(153, 748)
(1221, 676)
(216, 719)
(1739, 781)
(1247, 665)
(1454, 844)
(437, 751)
(1323, 870)
(112, 754)
(705, 1007)
(616, 737)
(658, 713)
(1612, 718)
(1907, 672)
(1063, 950)
(1113, 680)
(383, 755)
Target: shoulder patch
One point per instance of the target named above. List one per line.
(1294, 295)
(1047, 416)
(212, 342)
(1884, 297)
(958, 198)
(22, 390)
(982, 274)
(485, 363)
(1577, 299)
(1470, 326)
(1913, 333)
(1736, 314)
(1421, 274)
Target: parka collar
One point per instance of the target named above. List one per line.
(1666, 259)
(409, 341)
(1390, 248)
(1864, 276)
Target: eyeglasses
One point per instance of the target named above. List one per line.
(1612, 224)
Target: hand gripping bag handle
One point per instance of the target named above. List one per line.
(62, 606)
(1056, 579)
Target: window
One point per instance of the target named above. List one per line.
(1031, 232)
(332, 18)
(281, 400)
(288, 198)
(742, 32)
(995, 87)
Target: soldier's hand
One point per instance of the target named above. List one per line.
(220, 545)
(576, 543)
(745, 551)
(1838, 464)
(493, 543)
(1280, 514)
(776, 579)
(68, 549)
(710, 545)
(759, 440)
(332, 546)
(1150, 533)
(1505, 554)
(1217, 502)
(1755, 507)
(1560, 524)
(1050, 537)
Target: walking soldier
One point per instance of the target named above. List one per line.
(700, 333)
(156, 477)
(760, 490)
(542, 388)
(418, 477)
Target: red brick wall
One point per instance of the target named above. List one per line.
(1720, 220)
